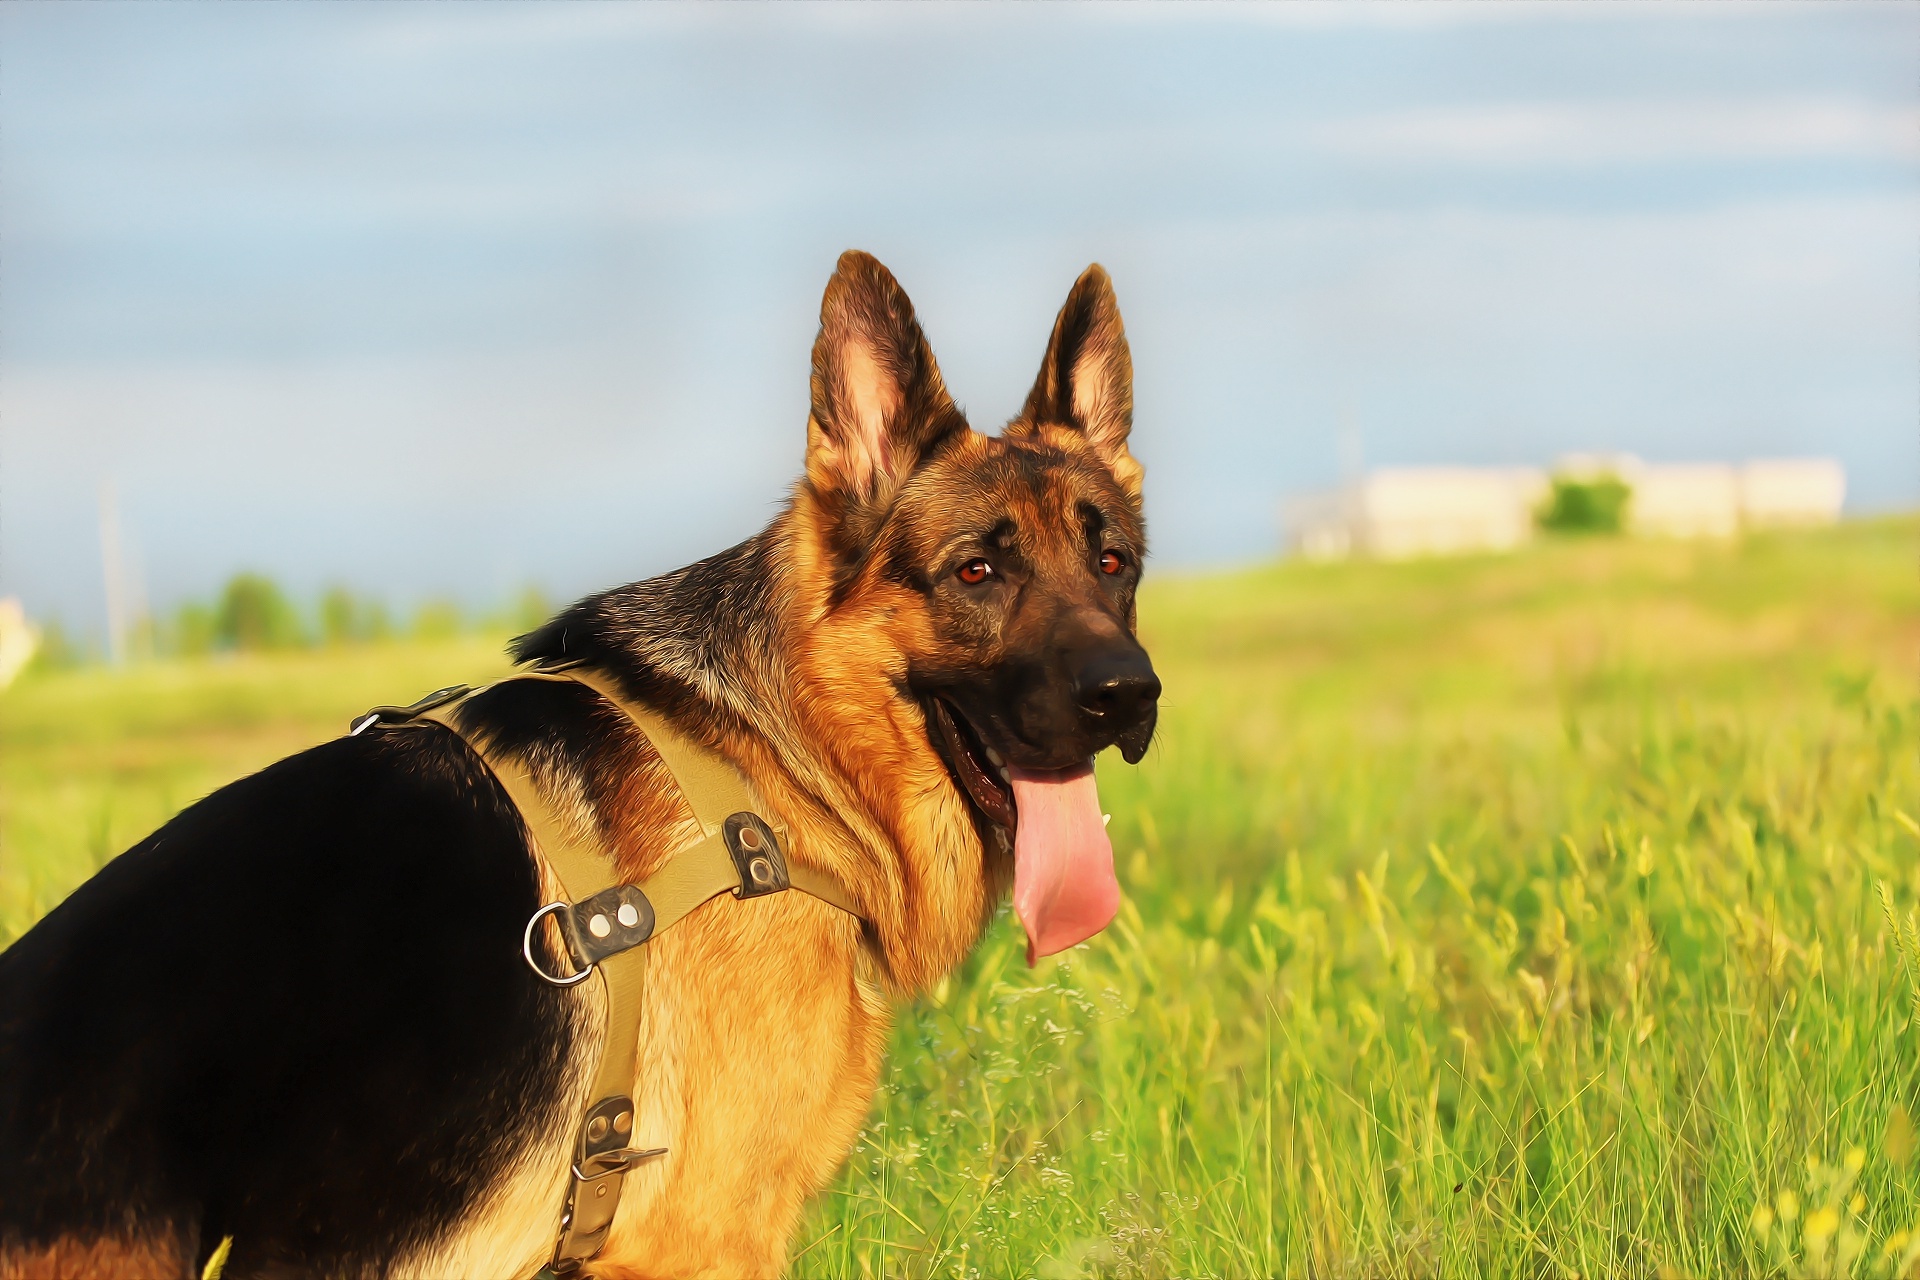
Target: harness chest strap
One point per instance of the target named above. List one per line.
(738, 852)
(713, 788)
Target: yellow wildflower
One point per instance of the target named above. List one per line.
(1899, 1138)
(1788, 1204)
(1822, 1222)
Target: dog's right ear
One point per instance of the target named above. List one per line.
(1086, 377)
(879, 404)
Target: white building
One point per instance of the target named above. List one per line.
(1791, 491)
(19, 640)
(1683, 500)
(1720, 500)
(1412, 511)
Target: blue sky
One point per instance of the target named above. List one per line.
(438, 299)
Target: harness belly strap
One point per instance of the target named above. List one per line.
(607, 922)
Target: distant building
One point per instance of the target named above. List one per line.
(1684, 500)
(18, 640)
(1778, 492)
(1400, 512)
(1412, 511)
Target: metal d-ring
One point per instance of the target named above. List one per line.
(526, 950)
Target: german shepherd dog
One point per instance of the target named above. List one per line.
(296, 1015)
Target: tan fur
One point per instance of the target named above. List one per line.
(99, 1259)
(760, 1042)
(764, 1021)
(761, 1045)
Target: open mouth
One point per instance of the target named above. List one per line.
(1064, 889)
(983, 775)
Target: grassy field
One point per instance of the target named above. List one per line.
(1542, 915)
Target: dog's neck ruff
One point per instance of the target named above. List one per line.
(604, 921)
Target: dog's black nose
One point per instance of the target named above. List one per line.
(1117, 686)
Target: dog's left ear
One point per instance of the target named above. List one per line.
(1086, 377)
(879, 405)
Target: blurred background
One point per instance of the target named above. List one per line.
(432, 305)
(1523, 879)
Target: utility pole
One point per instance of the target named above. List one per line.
(1353, 453)
(113, 569)
(1353, 476)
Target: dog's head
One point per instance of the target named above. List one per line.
(1005, 568)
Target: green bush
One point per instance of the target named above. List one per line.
(437, 620)
(193, 632)
(346, 618)
(1597, 504)
(529, 610)
(255, 614)
(57, 650)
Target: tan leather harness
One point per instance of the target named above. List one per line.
(605, 921)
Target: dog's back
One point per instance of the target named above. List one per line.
(285, 1017)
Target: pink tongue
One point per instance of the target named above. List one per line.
(1063, 885)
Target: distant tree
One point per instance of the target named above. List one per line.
(339, 616)
(530, 610)
(437, 620)
(255, 614)
(347, 618)
(1589, 504)
(193, 630)
(57, 649)
(376, 621)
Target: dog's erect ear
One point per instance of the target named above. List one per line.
(1086, 377)
(879, 405)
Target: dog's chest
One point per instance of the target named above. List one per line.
(759, 1047)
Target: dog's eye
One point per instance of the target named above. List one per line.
(1112, 561)
(975, 572)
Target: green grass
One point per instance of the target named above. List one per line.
(1539, 915)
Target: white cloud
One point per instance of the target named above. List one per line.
(1631, 132)
(427, 31)
(1398, 13)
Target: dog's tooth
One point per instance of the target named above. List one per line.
(1006, 775)
(993, 758)
(1106, 819)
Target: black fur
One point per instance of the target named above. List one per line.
(296, 1014)
(670, 639)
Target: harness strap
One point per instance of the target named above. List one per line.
(713, 789)
(738, 852)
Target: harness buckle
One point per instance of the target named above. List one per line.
(400, 715)
(526, 950)
(613, 920)
(601, 1161)
(614, 1161)
(756, 856)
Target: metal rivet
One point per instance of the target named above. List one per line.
(600, 926)
(623, 1122)
(596, 1128)
(749, 838)
(761, 869)
(600, 1190)
(628, 916)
